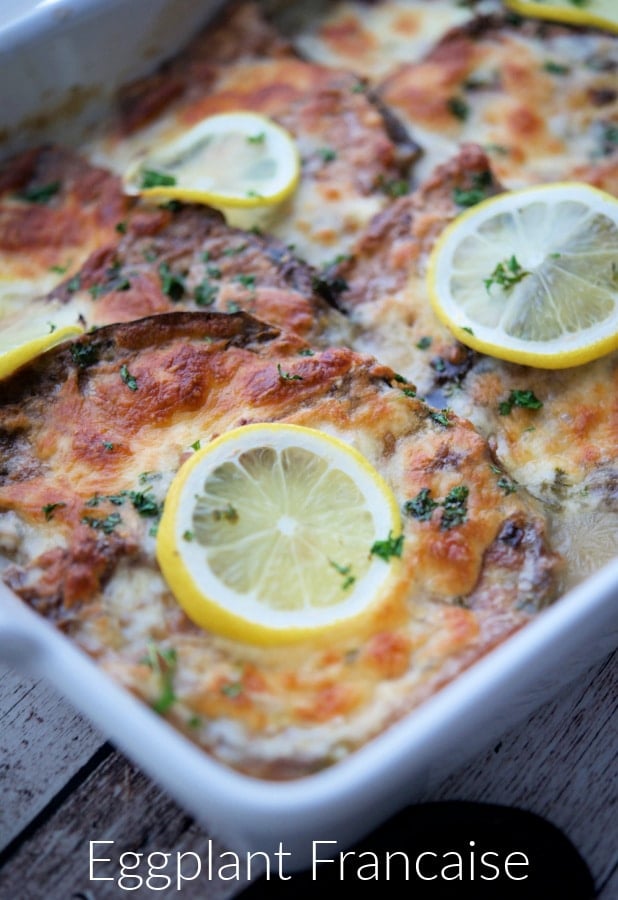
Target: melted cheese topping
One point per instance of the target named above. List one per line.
(271, 711)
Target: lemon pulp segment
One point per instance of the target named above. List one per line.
(238, 159)
(267, 533)
(599, 13)
(530, 276)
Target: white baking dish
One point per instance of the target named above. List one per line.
(52, 48)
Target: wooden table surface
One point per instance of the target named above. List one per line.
(62, 785)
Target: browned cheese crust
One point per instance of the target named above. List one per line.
(74, 434)
(189, 258)
(55, 208)
(565, 452)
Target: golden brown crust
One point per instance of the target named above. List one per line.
(467, 581)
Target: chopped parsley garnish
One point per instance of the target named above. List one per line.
(84, 355)
(52, 327)
(40, 194)
(396, 187)
(424, 343)
(256, 138)
(409, 392)
(523, 399)
(172, 284)
(508, 486)
(229, 514)
(555, 68)
(506, 274)
(455, 508)
(346, 572)
(458, 107)
(74, 284)
(390, 547)
(206, 293)
(194, 722)
(306, 351)
(232, 689)
(108, 445)
(481, 181)
(50, 508)
(127, 378)
(232, 251)
(59, 270)
(440, 417)
(467, 328)
(105, 525)
(196, 444)
(327, 154)
(359, 88)
(187, 535)
(422, 506)
(151, 178)
(163, 663)
(145, 504)
(247, 281)
(213, 271)
(286, 376)
(232, 306)
(438, 364)
(121, 227)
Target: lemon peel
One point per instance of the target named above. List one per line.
(596, 13)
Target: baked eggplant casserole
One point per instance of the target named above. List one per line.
(309, 390)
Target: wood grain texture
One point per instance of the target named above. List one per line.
(559, 764)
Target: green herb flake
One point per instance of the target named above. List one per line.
(187, 535)
(508, 486)
(196, 445)
(206, 293)
(127, 378)
(234, 251)
(440, 417)
(455, 508)
(395, 187)
(390, 547)
(145, 504)
(256, 138)
(172, 284)
(232, 307)
(109, 446)
(232, 689)
(359, 88)
(424, 343)
(49, 509)
(458, 107)
(422, 506)
(164, 663)
(286, 376)
(121, 227)
(346, 572)
(59, 270)
(41, 193)
(408, 391)
(506, 274)
(247, 281)
(213, 271)
(522, 399)
(555, 68)
(327, 154)
(84, 355)
(306, 351)
(151, 178)
(74, 284)
(106, 525)
(194, 722)
(467, 329)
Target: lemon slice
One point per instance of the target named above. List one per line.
(598, 13)
(22, 341)
(231, 160)
(274, 533)
(531, 276)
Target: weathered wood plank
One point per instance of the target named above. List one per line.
(43, 743)
(560, 764)
(118, 803)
